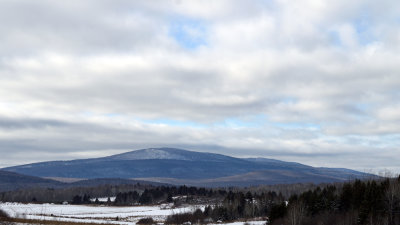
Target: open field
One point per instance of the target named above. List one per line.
(19, 221)
(49, 214)
(90, 214)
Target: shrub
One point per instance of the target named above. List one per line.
(147, 220)
(3, 214)
(195, 217)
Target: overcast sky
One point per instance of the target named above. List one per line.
(311, 81)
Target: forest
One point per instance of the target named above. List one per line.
(375, 202)
(358, 202)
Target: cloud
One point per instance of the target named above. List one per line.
(305, 81)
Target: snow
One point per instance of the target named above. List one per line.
(93, 214)
(150, 153)
(242, 223)
(103, 199)
(99, 214)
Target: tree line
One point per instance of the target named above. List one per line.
(59, 195)
(374, 202)
(353, 203)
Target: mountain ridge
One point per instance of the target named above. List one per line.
(11, 181)
(184, 165)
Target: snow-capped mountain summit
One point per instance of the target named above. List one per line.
(150, 153)
(169, 153)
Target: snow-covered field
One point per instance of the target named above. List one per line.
(94, 214)
(103, 199)
(97, 214)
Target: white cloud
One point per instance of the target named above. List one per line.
(293, 80)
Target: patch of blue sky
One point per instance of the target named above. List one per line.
(237, 123)
(249, 121)
(363, 106)
(87, 113)
(353, 139)
(363, 109)
(379, 141)
(289, 100)
(173, 123)
(112, 115)
(93, 114)
(392, 139)
(188, 33)
(335, 38)
(364, 34)
(262, 121)
(361, 112)
(296, 125)
(225, 123)
(362, 26)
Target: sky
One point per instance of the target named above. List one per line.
(316, 82)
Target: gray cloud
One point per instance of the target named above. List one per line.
(302, 81)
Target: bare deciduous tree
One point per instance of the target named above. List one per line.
(296, 213)
(392, 199)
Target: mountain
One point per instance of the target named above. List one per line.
(179, 166)
(255, 178)
(170, 153)
(12, 181)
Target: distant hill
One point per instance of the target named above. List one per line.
(253, 178)
(12, 181)
(177, 166)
